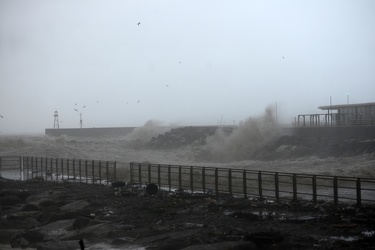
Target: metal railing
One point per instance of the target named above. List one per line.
(236, 182)
(257, 184)
(89, 171)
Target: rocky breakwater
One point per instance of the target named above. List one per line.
(48, 215)
(61, 215)
(186, 136)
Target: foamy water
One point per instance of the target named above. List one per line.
(120, 149)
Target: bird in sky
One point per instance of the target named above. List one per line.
(179, 62)
(75, 104)
(76, 110)
(167, 85)
(139, 23)
(84, 106)
(1, 116)
(138, 101)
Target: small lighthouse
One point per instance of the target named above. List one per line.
(56, 120)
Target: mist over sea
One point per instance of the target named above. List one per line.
(224, 150)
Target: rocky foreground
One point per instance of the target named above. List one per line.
(66, 215)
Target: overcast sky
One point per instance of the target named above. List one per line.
(188, 62)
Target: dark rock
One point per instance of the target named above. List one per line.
(10, 200)
(58, 245)
(75, 205)
(19, 242)
(45, 202)
(118, 184)
(152, 189)
(81, 222)
(30, 207)
(22, 194)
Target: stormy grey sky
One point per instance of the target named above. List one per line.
(228, 59)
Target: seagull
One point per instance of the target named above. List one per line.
(84, 106)
(167, 85)
(76, 110)
(75, 104)
(139, 23)
(138, 101)
(1, 116)
(179, 62)
(283, 57)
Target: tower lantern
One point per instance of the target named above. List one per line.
(56, 120)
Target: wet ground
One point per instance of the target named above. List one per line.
(54, 215)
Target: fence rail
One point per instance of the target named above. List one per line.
(52, 169)
(257, 184)
(237, 182)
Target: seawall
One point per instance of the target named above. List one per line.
(90, 132)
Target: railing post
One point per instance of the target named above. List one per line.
(294, 187)
(62, 169)
(46, 160)
(140, 174)
(179, 177)
(41, 167)
(93, 171)
(335, 191)
(217, 181)
(204, 179)
(32, 167)
(67, 167)
(159, 176)
(315, 200)
(86, 171)
(244, 181)
(230, 181)
(149, 173)
(131, 173)
(191, 179)
(260, 189)
(57, 168)
(27, 167)
(1, 166)
(107, 169)
(114, 172)
(277, 194)
(358, 187)
(100, 172)
(51, 163)
(21, 168)
(74, 169)
(169, 177)
(80, 170)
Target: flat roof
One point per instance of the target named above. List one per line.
(330, 107)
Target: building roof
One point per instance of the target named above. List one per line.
(336, 107)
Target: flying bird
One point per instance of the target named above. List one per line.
(84, 106)
(139, 23)
(167, 85)
(76, 110)
(1, 116)
(138, 101)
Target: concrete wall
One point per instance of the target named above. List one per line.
(90, 132)
(359, 132)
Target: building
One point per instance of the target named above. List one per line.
(360, 114)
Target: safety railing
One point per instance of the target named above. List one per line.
(89, 171)
(236, 182)
(257, 184)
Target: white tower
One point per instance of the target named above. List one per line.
(56, 121)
